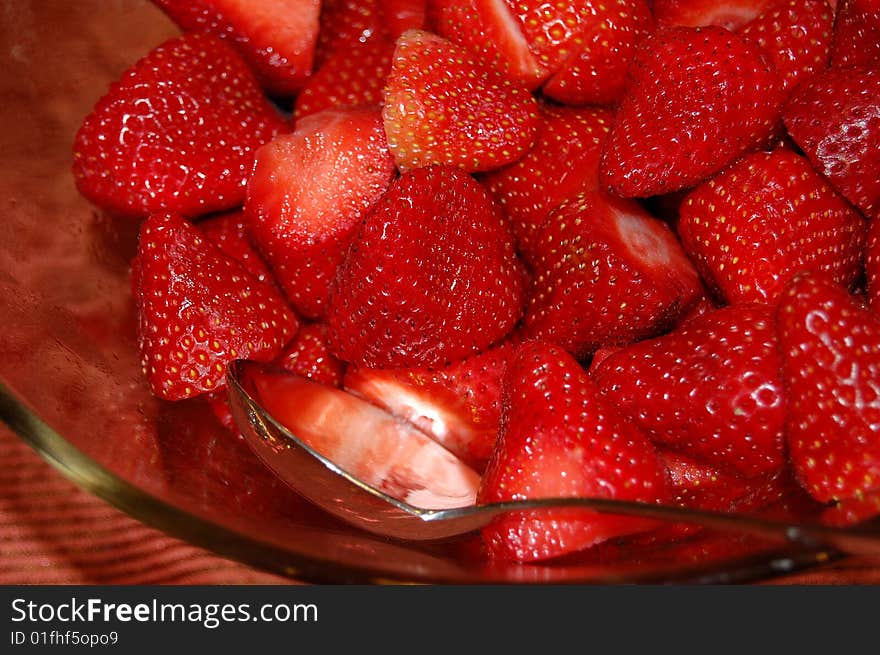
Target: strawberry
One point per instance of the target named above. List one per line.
(443, 107)
(431, 278)
(795, 36)
(730, 14)
(199, 309)
(872, 266)
(857, 34)
(606, 273)
(835, 119)
(830, 347)
(851, 511)
(698, 98)
(751, 228)
(559, 438)
(563, 162)
(308, 193)
(229, 232)
(367, 442)
(349, 78)
(309, 356)
(459, 405)
(697, 485)
(710, 389)
(168, 137)
(275, 37)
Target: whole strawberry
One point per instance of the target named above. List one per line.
(177, 132)
(198, 309)
(431, 277)
(830, 347)
(697, 99)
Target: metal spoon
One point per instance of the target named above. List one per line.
(326, 485)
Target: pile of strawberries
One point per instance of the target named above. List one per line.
(627, 249)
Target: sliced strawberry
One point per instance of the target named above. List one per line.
(443, 107)
(459, 406)
(857, 34)
(199, 309)
(710, 389)
(753, 227)
(308, 193)
(563, 162)
(697, 99)
(835, 119)
(229, 232)
(167, 137)
(606, 273)
(795, 36)
(350, 78)
(872, 266)
(309, 356)
(367, 442)
(276, 37)
(558, 439)
(730, 14)
(431, 278)
(604, 47)
(830, 348)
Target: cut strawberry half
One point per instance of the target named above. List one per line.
(199, 309)
(308, 193)
(559, 439)
(309, 356)
(168, 137)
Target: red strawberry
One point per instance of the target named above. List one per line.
(199, 309)
(309, 356)
(603, 48)
(852, 511)
(431, 278)
(459, 406)
(710, 389)
(830, 347)
(168, 137)
(857, 34)
(795, 36)
(872, 266)
(218, 401)
(558, 438)
(229, 232)
(308, 193)
(698, 98)
(607, 272)
(730, 14)
(835, 119)
(276, 37)
(761, 221)
(443, 107)
(563, 162)
(367, 442)
(352, 77)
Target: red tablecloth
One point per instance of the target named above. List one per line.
(51, 532)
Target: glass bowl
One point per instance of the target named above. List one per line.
(70, 379)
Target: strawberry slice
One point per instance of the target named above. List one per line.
(459, 406)
(275, 37)
(730, 14)
(308, 193)
(795, 37)
(367, 442)
(710, 389)
(558, 438)
(229, 232)
(431, 278)
(309, 356)
(835, 119)
(167, 137)
(697, 99)
(563, 162)
(831, 367)
(770, 215)
(443, 107)
(606, 273)
(857, 34)
(199, 309)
